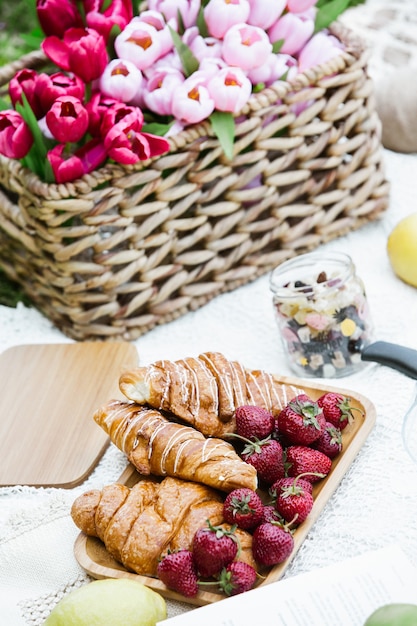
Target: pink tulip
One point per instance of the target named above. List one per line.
(192, 102)
(57, 16)
(160, 90)
(124, 141)
(230, 89)
(321, 48)
(294, 29)
(82, 51)
(273, 69)
(157, 20)
(220, 15)
(188, 9)
(25, 82)
(139, 44)
(15, 137)
(299, 6)
(264, 13)
(67, 119)
(117, 13)
(49, 87)
(172, 60)
(210, 66)
(121, 80)
(202, 47)
(246, 46)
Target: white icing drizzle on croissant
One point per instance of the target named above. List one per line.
(205, 391)
(154, 445)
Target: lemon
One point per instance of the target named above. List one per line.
(393, 614)
(402, 249)
(109, 602)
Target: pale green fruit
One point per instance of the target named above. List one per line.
(394, 615)
(402, 249)
(109, 602)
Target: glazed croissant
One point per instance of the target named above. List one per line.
(157, 446)
(139, 525)
(205, 391)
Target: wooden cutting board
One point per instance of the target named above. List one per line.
(48, 395)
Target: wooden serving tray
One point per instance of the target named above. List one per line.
(96, 561)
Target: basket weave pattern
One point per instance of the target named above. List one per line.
(126, 248)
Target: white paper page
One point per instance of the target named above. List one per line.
(344, 594)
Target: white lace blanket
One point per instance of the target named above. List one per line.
(376, 503)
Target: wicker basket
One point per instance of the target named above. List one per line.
(124, 249)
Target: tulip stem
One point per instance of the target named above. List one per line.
(87, 92)
(81, 11)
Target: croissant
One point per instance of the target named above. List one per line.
(205, 391)
(139, 525)
(157, 446)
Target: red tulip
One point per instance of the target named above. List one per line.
(67, 168)
(123, 140)
(96, 108)
(67, 119)
(57, 16)
(118, 13)
(64, 169)
(15, 137)
(82, 52)
(51, 87)
(121, 113)
(25, 82)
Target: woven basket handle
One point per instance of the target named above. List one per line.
(31, 60)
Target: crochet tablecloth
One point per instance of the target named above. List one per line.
(376, 502)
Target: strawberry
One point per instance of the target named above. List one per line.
(270, 514)
(336, 409)
(301, 421)
(288, 481)
(214, 547)
(294, 502)
(177, 571)
(272, 543)
(267, 457)
(254, 422)
(330, 441)
(237, 577)
(305, 460)
(243, 507)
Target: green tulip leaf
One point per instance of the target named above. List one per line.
(156, 128)
(328, 12)
(36, 159)
(277, 45)
(201, 23)
(188, 60)
(223, 125)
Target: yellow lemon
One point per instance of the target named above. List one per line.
(109, 602)
(402, 249)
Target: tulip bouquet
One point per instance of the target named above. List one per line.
(125, 79)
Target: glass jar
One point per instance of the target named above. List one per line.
(322, 313)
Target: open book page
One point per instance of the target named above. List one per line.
(344, 594)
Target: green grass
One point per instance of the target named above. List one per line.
(17, 21)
